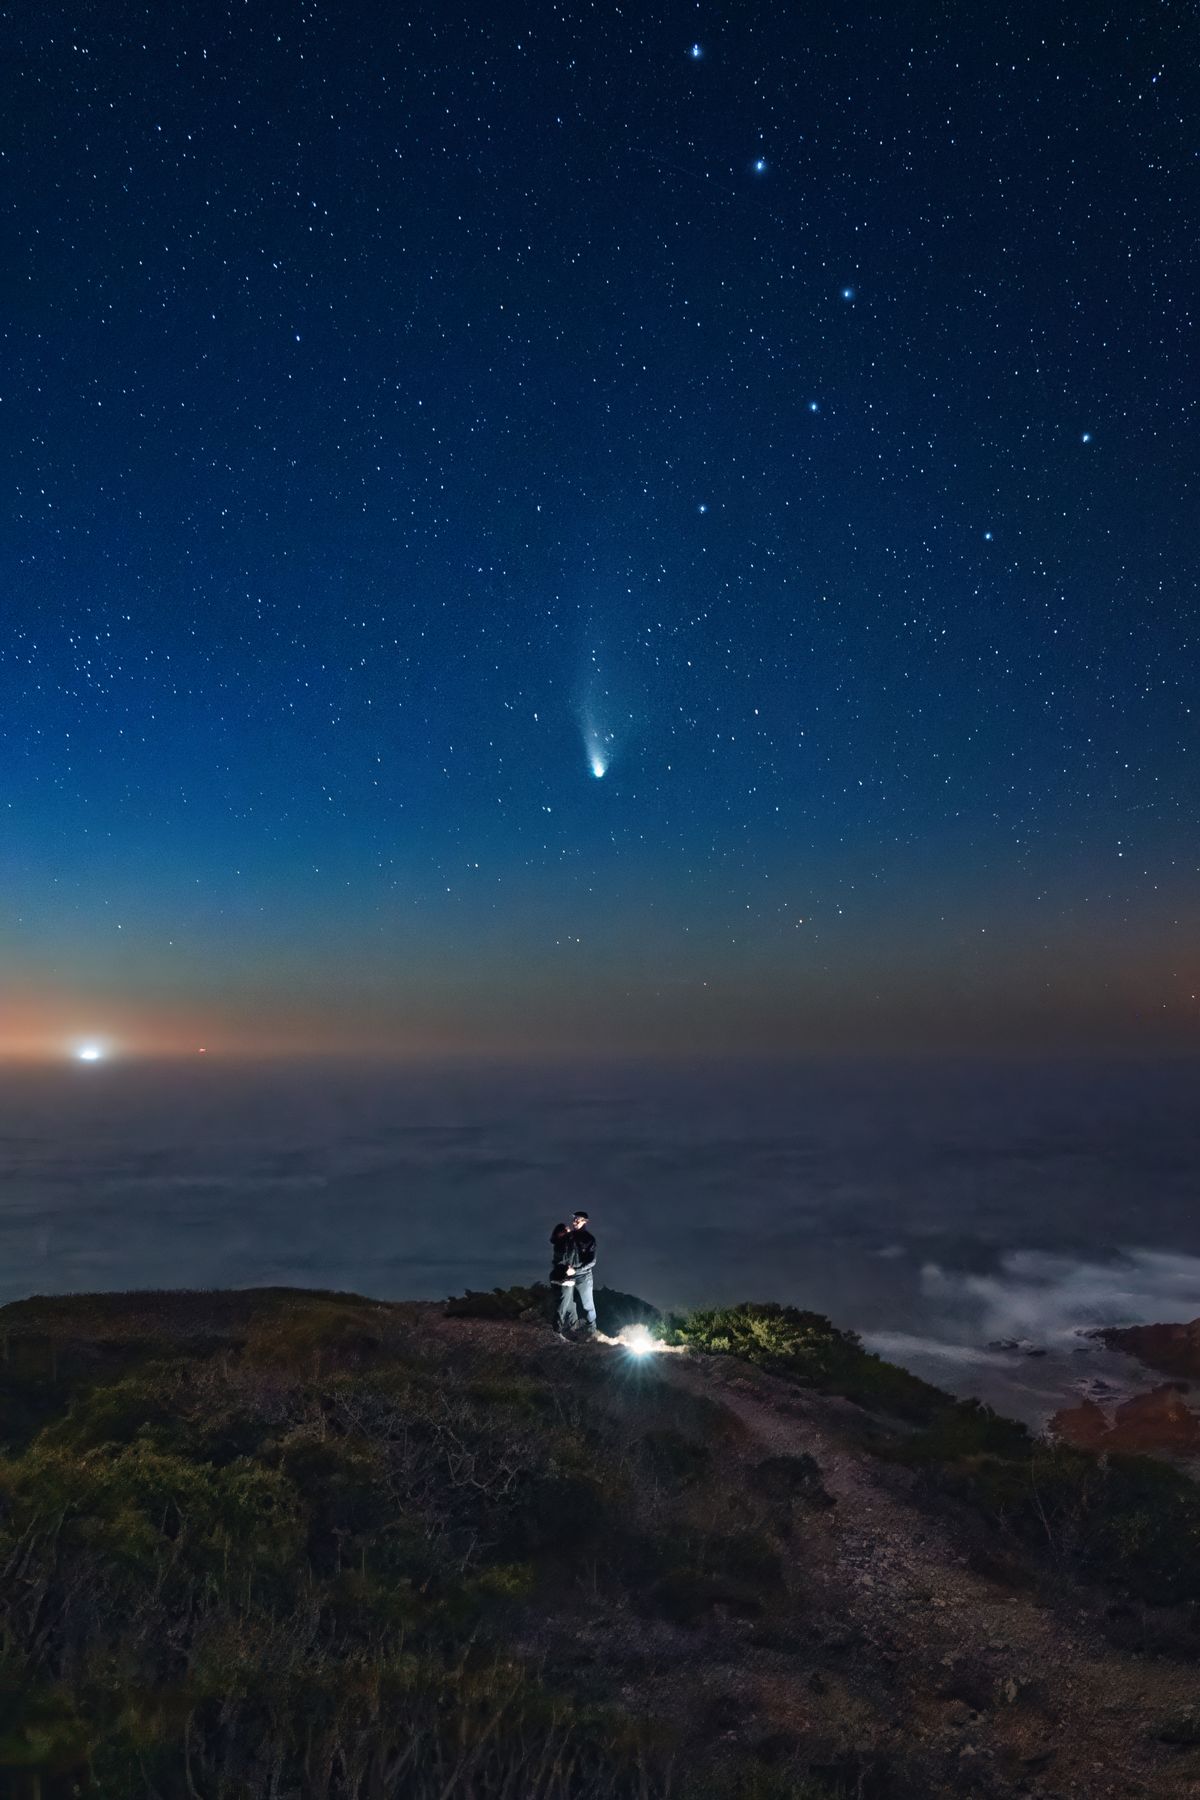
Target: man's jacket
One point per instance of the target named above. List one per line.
(571, 1250)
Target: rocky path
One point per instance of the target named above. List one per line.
(1025, 1701)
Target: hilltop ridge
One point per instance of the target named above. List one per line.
(292, 1543)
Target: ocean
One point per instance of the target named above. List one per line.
(972, 1220)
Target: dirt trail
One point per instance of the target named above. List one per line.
(1009, 1695)
(1070, 1716)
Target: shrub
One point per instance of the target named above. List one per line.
(788, 1479)
(324, 1333)
(1126, 1520)
(672, 1459)
(142, 1405)
(615, 1310)
(806, 1348)
(962, 1430)
(140, 1511)
(502, 1303)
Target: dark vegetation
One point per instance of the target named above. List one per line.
(1127, 1522)
(315, 1548)
(326, 1551)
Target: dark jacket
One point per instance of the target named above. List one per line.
(571, 1250)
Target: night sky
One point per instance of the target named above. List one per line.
(576, 527)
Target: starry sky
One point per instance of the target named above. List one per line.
(598, 527)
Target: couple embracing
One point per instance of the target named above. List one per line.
(574, 1250)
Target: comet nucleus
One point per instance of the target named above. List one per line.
(597, 715)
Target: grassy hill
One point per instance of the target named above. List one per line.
(313, 1547)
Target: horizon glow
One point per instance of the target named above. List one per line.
(319, 582)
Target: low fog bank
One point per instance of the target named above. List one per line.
(937, 1208)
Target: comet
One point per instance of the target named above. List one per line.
(602, 712)
(599, 743)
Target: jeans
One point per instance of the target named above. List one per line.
(576, 1295)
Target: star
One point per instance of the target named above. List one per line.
(1086, 437)
(696, 52)
(848, 293)
(760, 165)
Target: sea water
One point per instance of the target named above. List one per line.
(972, 1220)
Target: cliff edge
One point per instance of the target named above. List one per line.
(285, 1543)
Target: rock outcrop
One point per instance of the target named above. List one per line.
(1160, 1423)
(1170, 1349)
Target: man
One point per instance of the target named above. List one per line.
(574, 1251)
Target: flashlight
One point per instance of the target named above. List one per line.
(638, 1341)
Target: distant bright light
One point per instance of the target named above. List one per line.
(599, 767)
(1086, 437)
(90, 1053)
(696, 52)
(848, 293)
(760, 165)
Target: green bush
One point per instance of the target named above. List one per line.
(147, 1405)
(502, 1303)
(325, 1333)
(806, 1348)
(152, 1515)
(1127, 1521)
(41, 1729)
(961, 1430)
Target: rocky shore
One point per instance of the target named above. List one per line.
(1165, 1420)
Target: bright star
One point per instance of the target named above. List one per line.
(848, 293)
(696, 52)
(1086, 438)
(987, 537)
(814, 406)
(703, 506)
(760, 165)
